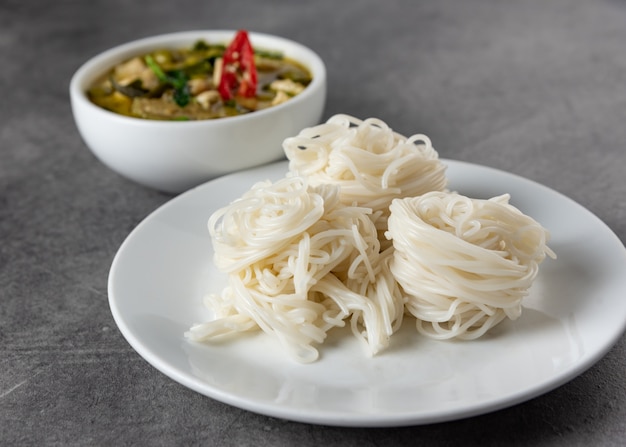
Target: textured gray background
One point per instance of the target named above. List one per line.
(537, 88)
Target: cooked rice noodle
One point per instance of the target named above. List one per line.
(299, 263)
(464, 264)
(361, 230)
(372, 163)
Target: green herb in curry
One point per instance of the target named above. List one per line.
(177, 79)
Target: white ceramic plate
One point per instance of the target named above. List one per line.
(575, 312)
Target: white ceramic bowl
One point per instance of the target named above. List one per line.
(175, 156)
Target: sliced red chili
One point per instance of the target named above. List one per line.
(239, 75)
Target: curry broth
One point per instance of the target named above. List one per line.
(182, 84)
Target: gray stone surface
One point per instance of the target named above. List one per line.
(537, 88)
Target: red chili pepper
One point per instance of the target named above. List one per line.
(239, 76)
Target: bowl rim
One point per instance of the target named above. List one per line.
(92, 68)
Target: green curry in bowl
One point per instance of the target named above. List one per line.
(205, 81)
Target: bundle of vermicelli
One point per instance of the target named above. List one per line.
(464, 264)
(371, 163)
(300, 262)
